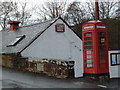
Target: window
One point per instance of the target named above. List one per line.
(88, 38)
(88, 52)
(102, 52)
(102, 48)
(16, 41)
(102, 37)
(102, 40)
(88, 43)
(60, 27)
(88, 47)
(102, 56)
(118, 58)
(115, 58)
(89, 65)
(88, 34)
(89, 61)
(102, 34)
(88, 56)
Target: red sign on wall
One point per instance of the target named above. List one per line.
(60, 27)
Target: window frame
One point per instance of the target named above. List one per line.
(15, 42)
(59, 25)
(115, 57)
(88, 47)
(88, 34)
(102, 35)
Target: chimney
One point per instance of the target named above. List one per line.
(13, 25)
(96, 10)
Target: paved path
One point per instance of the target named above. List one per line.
(19, 79)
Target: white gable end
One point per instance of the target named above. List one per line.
(58, 45)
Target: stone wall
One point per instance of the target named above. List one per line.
(56, 68)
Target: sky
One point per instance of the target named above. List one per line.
(41, 2)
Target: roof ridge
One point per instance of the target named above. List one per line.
(36, 23)
(31, 24)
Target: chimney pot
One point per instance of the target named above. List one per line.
(13, 25)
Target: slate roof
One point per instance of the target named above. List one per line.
(30, 32)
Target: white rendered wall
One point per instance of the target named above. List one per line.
(114, 70)
(55, 45)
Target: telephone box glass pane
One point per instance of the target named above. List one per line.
(88, 56)
(88, 47)
(102, 52)
(89, 61)
(88, 43)
(89, 65)
(102, 34)
(88, 52)
(88, 34)
(88, 38)
(102, 47)
(102, 56)
(102, 40)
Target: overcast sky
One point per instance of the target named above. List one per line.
(41, 2)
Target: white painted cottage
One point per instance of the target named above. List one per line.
(59, 45)
(52, 39)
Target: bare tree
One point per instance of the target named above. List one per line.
(10, 11)
(118, 11)
(52, 9)
(90, 7)
(106, 9)
(5, 9)
(22, 13)
(76, 13)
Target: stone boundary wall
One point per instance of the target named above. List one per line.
(56, 68)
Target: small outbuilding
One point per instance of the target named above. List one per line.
(114, 63)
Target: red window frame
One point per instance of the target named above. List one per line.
(91, 49)
(102, 51)
(60, 28)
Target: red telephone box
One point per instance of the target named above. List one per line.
(95, 48)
